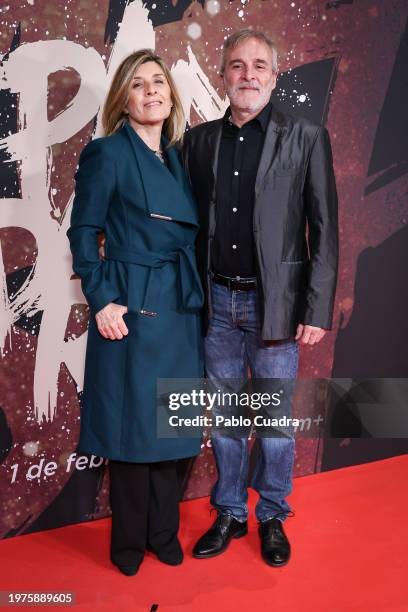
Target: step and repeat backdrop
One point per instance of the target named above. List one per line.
(342, 63)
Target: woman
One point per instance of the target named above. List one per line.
(144, 299)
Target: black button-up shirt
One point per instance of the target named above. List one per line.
(233, 252)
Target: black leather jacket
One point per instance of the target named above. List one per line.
(295, 220)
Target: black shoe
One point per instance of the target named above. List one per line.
(171, 555)
(217, 538)
(174, 558)
(275, 546)
(128, 570)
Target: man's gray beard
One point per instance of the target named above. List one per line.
(259, 105)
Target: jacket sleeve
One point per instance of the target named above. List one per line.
(320, 197)
(95, 184)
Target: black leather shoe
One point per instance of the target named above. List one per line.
(275, 546)
(217, 538)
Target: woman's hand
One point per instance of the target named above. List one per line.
(110, 322)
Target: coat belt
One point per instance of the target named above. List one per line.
(184, 257)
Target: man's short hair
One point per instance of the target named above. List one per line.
(237, 37)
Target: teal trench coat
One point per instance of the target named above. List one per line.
(149, 218)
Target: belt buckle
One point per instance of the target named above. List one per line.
(247, 285)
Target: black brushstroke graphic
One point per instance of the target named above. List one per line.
(14, 281)
(317, 80)
(8, 125)
(75, 502)
(373, 344)
(115, 16)
(15, 42)
(166, 12)
(163, 13)
(389, 156)
(337, 3)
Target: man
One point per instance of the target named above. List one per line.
(267, 253)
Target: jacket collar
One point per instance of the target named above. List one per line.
(166, 189)
(274, 127)
(262, 117)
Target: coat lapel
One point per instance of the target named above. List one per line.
(269, 149)
(213, 141)
(168, 195)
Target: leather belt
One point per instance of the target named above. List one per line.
(191, 292)
(233, 284)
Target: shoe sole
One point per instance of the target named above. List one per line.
(238, 535)
(127, 570)
(275, 564)
(167, 562)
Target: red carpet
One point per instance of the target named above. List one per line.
(349, 540)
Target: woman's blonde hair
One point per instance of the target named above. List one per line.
(114, 116)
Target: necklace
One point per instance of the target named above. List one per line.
(159, 154)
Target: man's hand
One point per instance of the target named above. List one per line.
(308, 334)
(110, 322)
(101, 243)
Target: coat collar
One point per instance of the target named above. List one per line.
(167, 190)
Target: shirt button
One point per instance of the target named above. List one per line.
(234, 246)
(234, 209)
(236, 172)
(241, 138)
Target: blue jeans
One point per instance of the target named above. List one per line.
(233, 344)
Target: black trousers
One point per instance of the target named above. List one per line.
(144, 499)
